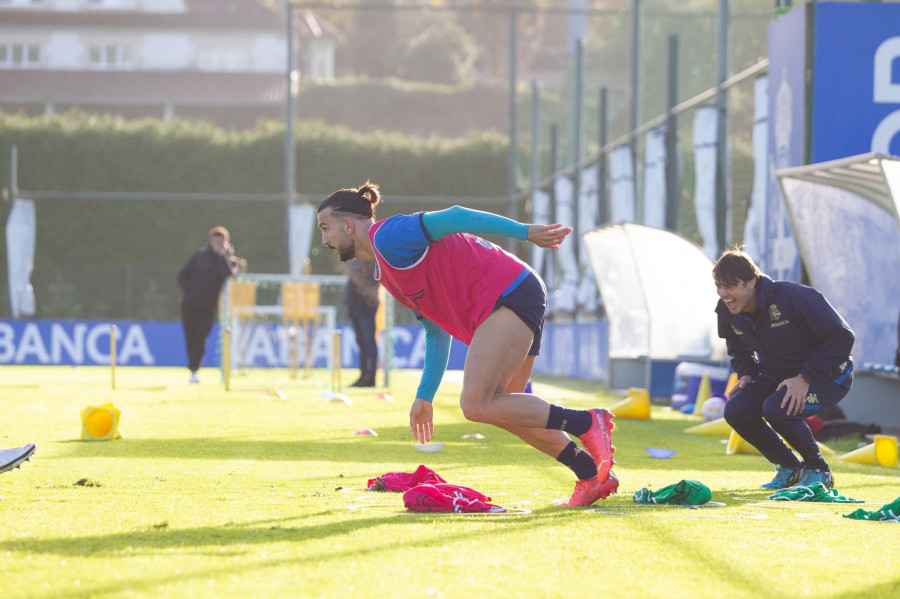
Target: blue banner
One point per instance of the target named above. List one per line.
(856, 80)
(568, 349)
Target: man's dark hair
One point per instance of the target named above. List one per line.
(734, 266)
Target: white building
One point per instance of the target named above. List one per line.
(222, 60)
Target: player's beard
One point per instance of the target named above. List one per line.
(346, 249)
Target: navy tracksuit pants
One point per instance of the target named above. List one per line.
(755, 413)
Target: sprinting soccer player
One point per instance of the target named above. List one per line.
(11, 459)
(462, 286)
(803, 367)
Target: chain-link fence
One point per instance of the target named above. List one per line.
(454, 65)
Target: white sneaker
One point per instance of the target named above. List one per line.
(13, 458)
(195, 378)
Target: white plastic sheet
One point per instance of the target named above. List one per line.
(302, 226)
(621, 176)
(563, 298)
(705, 128)
(755, 225)
(655, 178)
(540, 215)
(588, 215)
(20, 247)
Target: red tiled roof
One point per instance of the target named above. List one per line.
(201, 14)
(142, 87)
(236, 14)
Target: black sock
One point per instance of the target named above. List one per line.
(574, 422)
(578, 460)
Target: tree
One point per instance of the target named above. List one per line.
(438, 50)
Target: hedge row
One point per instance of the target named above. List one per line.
(102, 258)
(78, 152)
(414, 108)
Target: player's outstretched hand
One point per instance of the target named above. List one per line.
(547, 236)
(421, 420)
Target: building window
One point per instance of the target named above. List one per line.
(112, 4)
(321, 60)
(17, 55)
(222, 58)
(111, 57)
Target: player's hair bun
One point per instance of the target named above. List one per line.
(370, 193)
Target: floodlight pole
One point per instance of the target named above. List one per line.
(511, 149)
(722, 208)
(635, 95)
(290, 176)
(673, 187)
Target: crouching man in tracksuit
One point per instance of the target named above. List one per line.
(791, 352)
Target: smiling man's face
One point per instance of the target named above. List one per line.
(740, 297)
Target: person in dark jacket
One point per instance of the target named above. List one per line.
(362, 306)
(201, 279)
(791, 352)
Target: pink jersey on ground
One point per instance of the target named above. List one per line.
(455, 284)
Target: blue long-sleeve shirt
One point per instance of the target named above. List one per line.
(402, 241)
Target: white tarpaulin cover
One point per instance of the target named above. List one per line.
(540, 215)
(845, 217)
(20, 246)
(542, 258)
(621, 185)
(755, 225)
(658, 291)
(563, 299)
(655, 178)
(587, 221)
(302, 226)
(705, 127)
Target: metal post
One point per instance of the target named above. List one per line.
(554, 166)
(290, 183)
(12, 174)
(512, 212)
(721, 133)
(576, 133)
(635, 65)
(577, 102)
(673, 188)
(635, 94)
(603, 121)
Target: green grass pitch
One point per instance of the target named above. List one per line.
(252, 493)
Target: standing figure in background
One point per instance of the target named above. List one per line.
(791, 351)
(362, 305)
(201, 279)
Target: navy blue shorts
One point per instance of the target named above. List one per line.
(529, 301)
